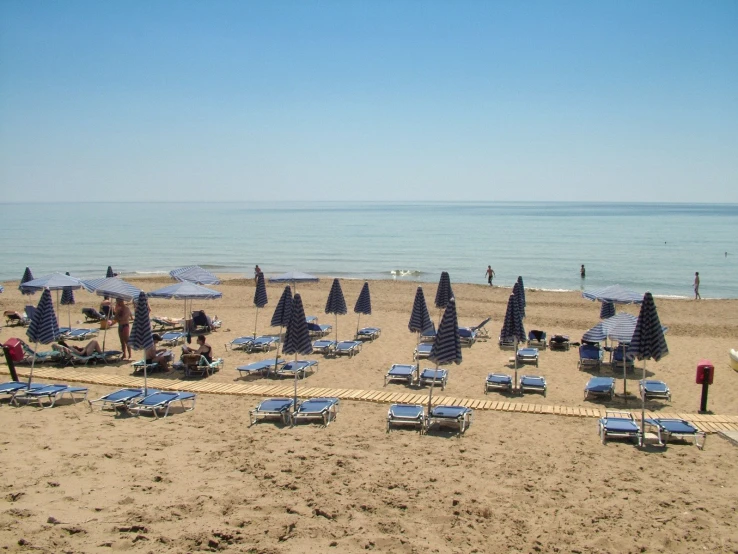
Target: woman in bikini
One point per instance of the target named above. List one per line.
(88, 350)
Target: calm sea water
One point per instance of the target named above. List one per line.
(655, 247)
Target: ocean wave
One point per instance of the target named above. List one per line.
(405, 272)
(160, 272)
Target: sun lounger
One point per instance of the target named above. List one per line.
(69, 356)
(159, 323)
(590, 356)
(599, 387)
(9, 389)
(537, 338)
(559, 342)
(459, 417)
(506, 343)
(401, 372)
(158, 401)
(202, 323)
(348, 348)
(498, 381)
(168, 356)
(528, 356)
(368, 333)
(322, 409)
(50, 392)
(681, 429)
(326, 347)
(406, 414)
(429, 335)
(273, 408)
(264, 343)
(92, 315)
(41, 356)
(480, 330)
(240, 343)
(77, 334)
(201, 365)
(119, 399)
(423, 350)
(467, 336)
(654, 389)
(618, 425)
(619, 353)
(14, 319)
(436, 376)
(532, 383)
(173, 338)
(311, 319)
(260, 368)
(317, 331)
(301, 367)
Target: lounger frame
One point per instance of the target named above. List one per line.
(538, 385)
(609, 393)
(283, 414)
(498, 384)
(654, 394)
(409, 378)
(327, 414)
(417, 420)
(628, 431)
(51, 392)
(426, 378)
(528, 356)
(147, 404)
(459, 417)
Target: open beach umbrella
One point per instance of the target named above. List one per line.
(294, 277)
(443, 292)
(419, 317)
(363, 304)
(336, 303)
(447, 344)
(607, 309)
(512, 328)
(54, 281)
(297, 338)
(109, 273)
(43, 327)
(27, 276)
(67, 299)
(141, 337)
(282, 314)
(194, 274)
(519, 292)
(616, 294)
(112, 287)
(648, 342)
(260, 297)
(185, 290)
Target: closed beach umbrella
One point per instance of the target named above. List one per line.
(512, 327)
(648, 342)
(109, 273)
(519, 292)
(607, 309)
(67, 299)
(282, 314)
(294, 277)
(141, 337)
(43, 327)
(363, 304)
(27, 276)
(260, 297)
(336, 303)
(447, 344)
(419, 318)
(194, 274)
(443, 292)
(297, 338)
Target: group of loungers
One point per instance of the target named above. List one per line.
(658, 431)
(604, 387)
(279, 368)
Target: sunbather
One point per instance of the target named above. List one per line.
(92, 347)
(155, 355)
(204, 349)
(122, 315)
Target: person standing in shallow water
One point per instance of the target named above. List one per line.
(582, 272)
(697, 286)
(490, 274)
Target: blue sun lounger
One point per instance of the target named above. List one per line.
(166, 324)
(499, 382)
(654, 389)
(537, 338)
(459, 417)
(429, 335)
(240, 343)
(599, 387)
(158, 401)
(506, 343)
(620, 353)
(532, 383)
(480, 330)
(423, 350)
(435, 376)
(590, 356)
(10, 388)
(92, 315)
(618, 425)
(273, 408)
(559, 342)
(323, 409)
(301, 367)
(401, 372)
(326, 347)
(264, 343)
(681, 429)
(68, 333)
(407, 415)
(316, 330)
(262, 367)
(173, 338)
(348, 348)
(467, 336)
(120, 398)
(50, 392)
(368, 333)
(528, 356)
(41, 356)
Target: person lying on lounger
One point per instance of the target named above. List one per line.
(89, 349)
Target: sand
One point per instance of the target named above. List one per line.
(76, 480)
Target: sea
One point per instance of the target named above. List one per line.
(642, 246)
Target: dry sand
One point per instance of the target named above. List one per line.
(205, 480)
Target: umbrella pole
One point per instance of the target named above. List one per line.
(625, 380)
(357, 324)
(643, 407)
(276, 357)
(430, 392)
(146, 376)
(256, 319)
(57, 306)
(69, 315)
(336, 327)
(515, 383)
(294, 406)
(33, 363)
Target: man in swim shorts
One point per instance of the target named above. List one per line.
(122, 315)
(490, 274)
(697, 286)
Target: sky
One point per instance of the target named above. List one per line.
(369, 100)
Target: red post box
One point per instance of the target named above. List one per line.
(705, 372)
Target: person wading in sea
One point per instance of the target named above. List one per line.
(490, 274)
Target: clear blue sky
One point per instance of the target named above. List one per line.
(383, 100)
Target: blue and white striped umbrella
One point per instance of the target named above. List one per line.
(336, 303)
(443, 292)
(614, 293)
(297, 338)
(648, 342)
(185, 290)
(141, 337)
(67, 299)
(283, 311)
(294, 277)
(519, 292)
(523, 303)
(260, 297)
(446, 347)
(27, 276)
(363, 304)
(43, 327)
(55, 281)
(419, 318)
(109, 273)
(194, 274)
(512, 326)
(607, 310)
(112, 287)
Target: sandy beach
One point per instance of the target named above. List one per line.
(82, 481)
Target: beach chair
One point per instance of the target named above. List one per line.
(264, 343)
(401, 372)
(68, 333)
(654, 389)
(458, 417)
(41, 356)
(14, 319)
(590, 356)
(368, 334)
(321, 409)
(423, 350)
(498, 382)
(467, 336)
(11, 388)
(506, 343)
(672, 428)
(70, 357)
(159, 401)
(429, 335)
(195, 364)
(480, 331)
(412, 415)
(140, 365)
(598, 387)
(348, 348)
(92, 315)
(311, 319)
(435, 376)
(559, 342)
(537, 338)
(161, 323)
(264, 367)
(533, 383)
(300, 367)
(620, 354)
(326, 347)
(202, 323)
(318, 331)
(52, 393)
(273, 408)
(528, 356)
(240, 343)
(618, 425)
(172, 338)
(119, 399)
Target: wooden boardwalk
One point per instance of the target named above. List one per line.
(709, 423)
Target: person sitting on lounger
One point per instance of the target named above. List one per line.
(105, 307)
(89, 349)
(156, 355)
(205, 350)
